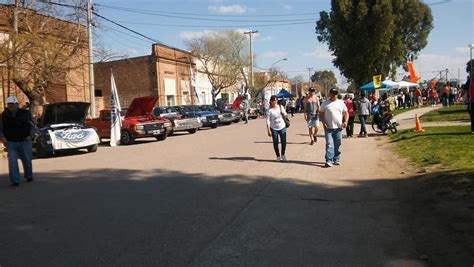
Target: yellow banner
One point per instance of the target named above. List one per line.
(377, 81)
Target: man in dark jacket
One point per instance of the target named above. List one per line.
(364, 109)
(15, 134)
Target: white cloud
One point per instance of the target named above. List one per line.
(462, 49)
(288, 7)
(319, 53)
(194, 35)
(232, 9)
(429, 65)
(275, 54)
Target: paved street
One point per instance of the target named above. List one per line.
(213, 198)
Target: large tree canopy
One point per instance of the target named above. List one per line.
(369, 37)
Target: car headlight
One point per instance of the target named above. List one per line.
(167, 124)
(220, 116)
(139, 127)
(203, 118)
(198, 120)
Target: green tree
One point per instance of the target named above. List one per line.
(468, 66)
(223, 57)
(374, 37)
(326, 79)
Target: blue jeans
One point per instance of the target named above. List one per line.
(362, 119)
(333, 142)
(20, 150)
(282, 134)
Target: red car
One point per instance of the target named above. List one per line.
(138, 122)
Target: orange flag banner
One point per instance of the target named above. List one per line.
(411, 69)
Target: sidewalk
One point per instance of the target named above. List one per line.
(407, 119)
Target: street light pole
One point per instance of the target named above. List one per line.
(271, 68)
(91, 59)
(251, 55)
(309, 76)
(471, 79)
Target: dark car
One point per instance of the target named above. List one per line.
(180, 121)
(62, 127)
(225, 118)
(208, 118)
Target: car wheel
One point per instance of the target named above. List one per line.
(227, 123)
(171, 133)
(161, 137)
(237, 121)
(92, 148)
(126, 138)
(41, 152)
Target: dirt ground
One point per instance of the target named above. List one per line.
(218, 198)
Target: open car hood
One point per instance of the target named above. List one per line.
(64, 112)
(141, 106)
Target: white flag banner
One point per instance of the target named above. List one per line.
(115, 119)
(193, 84)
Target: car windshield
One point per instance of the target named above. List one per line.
(164, 110)
(207, 108)
(190, 108)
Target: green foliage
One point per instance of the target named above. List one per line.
(325, 78)
(468, 66)
(452, 113)
(374, 37)
(445, 147)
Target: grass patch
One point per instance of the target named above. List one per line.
(449, 148)
(452, 113)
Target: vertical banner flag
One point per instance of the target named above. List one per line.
(193, 84)
(411, 69)
(377, 81)
(115, 119)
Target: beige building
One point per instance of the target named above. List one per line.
(165, 73)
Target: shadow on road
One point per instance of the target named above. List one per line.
(128, 217)
(243, 159)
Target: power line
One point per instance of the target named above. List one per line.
(215, 26)
(213, 15)
(147, 12)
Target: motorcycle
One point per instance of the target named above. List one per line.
(383, 122)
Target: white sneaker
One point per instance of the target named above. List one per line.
(328, 164)
(283, 158)
(278, 159)
(337, 163)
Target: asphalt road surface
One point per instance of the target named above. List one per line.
(209, 199)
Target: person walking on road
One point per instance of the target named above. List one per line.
(15, 134)
(350, 110)
(363, 108)
(311, 110)
(276, 127)
(246, 107)
(334, 117)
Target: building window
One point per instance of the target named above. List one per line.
(98, 92)
(170, 100)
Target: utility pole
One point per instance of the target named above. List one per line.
(251, 55)
(309, 76)
(91, 59)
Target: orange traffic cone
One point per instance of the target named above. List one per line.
(418, 127)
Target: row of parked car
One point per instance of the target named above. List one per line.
(64, 126)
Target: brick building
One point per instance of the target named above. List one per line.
(72, 84)
(165, 73)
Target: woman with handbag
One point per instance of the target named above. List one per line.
(277, 122)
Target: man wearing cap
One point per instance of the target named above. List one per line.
(15, 134)
(334, 117)
(311, 109)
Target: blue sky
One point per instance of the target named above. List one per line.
(447, 44)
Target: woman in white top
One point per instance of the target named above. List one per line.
(276, 127)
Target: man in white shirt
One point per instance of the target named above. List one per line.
(334, 117)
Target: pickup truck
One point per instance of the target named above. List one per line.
(138, 122)
(181, 122)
